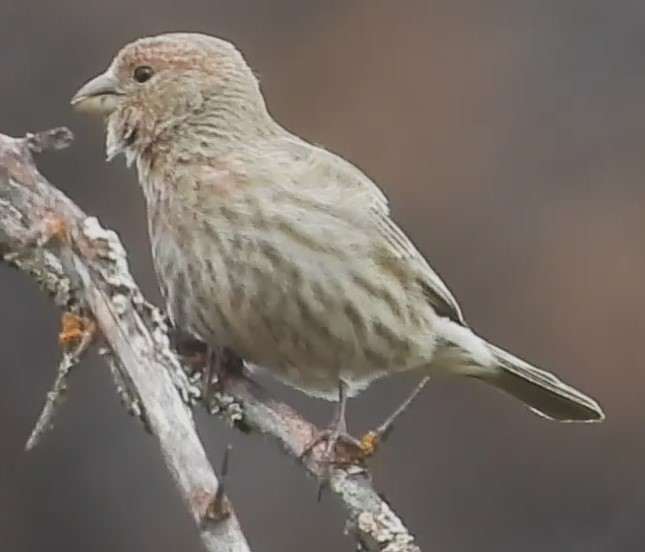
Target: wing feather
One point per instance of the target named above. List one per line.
(323, 169)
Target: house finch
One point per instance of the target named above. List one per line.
(279, 250)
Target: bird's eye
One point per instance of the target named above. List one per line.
(143, 73)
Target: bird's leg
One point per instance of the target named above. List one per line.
(335, 434)
(211, 372)
(221, 364)
(372, 439)
(192, 351)
(338, 424)
(214, 364)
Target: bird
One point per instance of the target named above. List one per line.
(280, 250)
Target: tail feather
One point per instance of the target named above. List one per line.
(462, 352)
(541, 391)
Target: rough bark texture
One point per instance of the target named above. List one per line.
(84, 269)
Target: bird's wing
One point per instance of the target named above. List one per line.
(366, 199)
(433, 287)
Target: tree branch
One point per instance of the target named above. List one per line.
(84, 269)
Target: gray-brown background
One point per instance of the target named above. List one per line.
(509, 136)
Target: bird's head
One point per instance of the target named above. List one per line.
(164, 89)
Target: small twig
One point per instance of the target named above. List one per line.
(220, 507)
(49, 140)
(56, 396)
(373, 439)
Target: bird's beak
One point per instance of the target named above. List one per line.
(100, 95)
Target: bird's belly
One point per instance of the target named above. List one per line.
(308, 320)
(305, 344)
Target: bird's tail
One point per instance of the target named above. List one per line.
(541, 391)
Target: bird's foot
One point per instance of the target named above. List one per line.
(213, 364)
(340, 448)
(221, 365)
(193, 353)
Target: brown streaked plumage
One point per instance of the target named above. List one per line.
(278, 249)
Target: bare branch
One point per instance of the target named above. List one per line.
(86, 267)
(75, 346)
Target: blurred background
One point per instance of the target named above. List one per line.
(509, 135)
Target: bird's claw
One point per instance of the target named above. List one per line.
(340, 449)
(213, 364)
(221, 365)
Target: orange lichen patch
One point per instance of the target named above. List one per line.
(51, 226)
(369, 442)
(74, 328)
(48, 227)
(56, 227)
